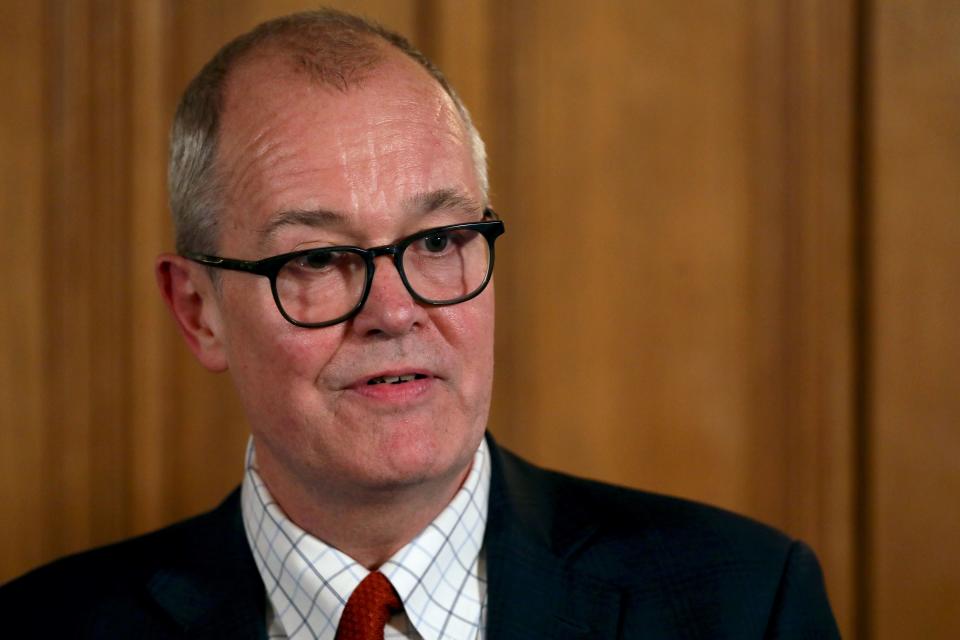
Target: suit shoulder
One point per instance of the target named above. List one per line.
(617, 526)
(115, 574)
(625, 512)
(673, 563)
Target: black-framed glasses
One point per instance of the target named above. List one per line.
(323, 286)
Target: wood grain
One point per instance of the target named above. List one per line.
(915, 246)
(23, 372)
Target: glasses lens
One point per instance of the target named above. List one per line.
(321, 286)
(447, 265)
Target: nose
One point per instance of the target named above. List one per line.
(389, 309)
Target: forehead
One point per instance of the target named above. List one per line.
(289, 143)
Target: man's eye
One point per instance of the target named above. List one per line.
(436, 243)
(315, 260)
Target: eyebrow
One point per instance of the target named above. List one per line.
(315, 218)
(442, 199)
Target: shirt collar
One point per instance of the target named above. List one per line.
(437, 574)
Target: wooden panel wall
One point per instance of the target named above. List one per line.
(728, 274)
(915, 305)
(23, 333)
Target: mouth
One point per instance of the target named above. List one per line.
(396, 388)
(402, 379)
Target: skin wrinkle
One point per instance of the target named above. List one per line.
(344, 158)
(379, 141)
(373, 150)
(443, 199)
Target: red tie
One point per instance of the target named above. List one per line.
(368, 609)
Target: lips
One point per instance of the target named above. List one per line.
(395, 388)
(393, 377)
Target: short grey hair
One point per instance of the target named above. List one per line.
(332, 47)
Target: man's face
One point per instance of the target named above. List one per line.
(306, 166)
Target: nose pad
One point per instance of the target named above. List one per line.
(389, 308)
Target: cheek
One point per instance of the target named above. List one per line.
(469, 329)
(266, 351)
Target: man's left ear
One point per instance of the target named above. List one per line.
(189, 293)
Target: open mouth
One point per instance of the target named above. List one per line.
(396, 379)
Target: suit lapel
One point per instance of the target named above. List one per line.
(533, 590)
(215, 591)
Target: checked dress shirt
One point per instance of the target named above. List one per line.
(440, 575)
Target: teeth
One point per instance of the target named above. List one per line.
(396, 379)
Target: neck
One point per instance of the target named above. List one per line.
(370, 526)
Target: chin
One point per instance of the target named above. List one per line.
(409, 458)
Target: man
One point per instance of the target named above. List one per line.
(335, 253)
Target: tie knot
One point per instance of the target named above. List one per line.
(369, 607)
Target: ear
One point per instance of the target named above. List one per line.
(190, 296)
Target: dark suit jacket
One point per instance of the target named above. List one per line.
(566, 558)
